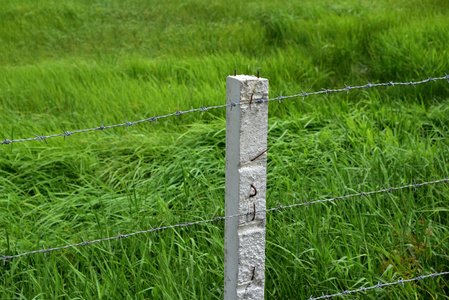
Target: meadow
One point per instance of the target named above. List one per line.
(69, 65)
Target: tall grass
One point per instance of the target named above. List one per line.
(72, 64)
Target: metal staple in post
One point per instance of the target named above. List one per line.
(246, 131)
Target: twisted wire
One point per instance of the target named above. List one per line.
(347, 89)
(154, 230)
(379, 286)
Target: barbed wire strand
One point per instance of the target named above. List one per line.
(379, 286)
(121, 236)
(203, 109)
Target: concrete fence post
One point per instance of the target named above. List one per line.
(246, 138)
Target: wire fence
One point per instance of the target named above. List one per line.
(347, 89)
(379, 286)
(249, 214)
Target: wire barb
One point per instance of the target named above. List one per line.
(327, 91)
(280, 207)
(153, 230)
(127, 124)
(154, 119)
(304, 94)
(42, 137)
(85, 243)
(120, 236)
(218, 218)
(308, 204)
(363, 195)
(337, 198)
(66, 133)
(102, 126)
(281, 97)
(203, 109)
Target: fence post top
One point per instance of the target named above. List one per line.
(246, 77)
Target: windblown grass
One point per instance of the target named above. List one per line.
(71, 64)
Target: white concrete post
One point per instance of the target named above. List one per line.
(246, 138)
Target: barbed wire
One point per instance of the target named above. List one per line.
(379, 286)
(347, 89)
(253, 214)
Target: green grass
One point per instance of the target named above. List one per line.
(71, 64)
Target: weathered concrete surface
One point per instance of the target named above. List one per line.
(246, 137)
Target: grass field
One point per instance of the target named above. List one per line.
(72, 64)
